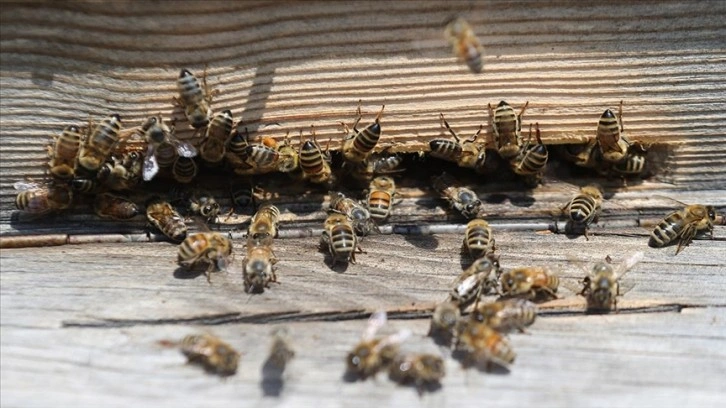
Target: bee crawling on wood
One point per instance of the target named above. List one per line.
(163, 148)
(281, 351)
(41, 199)
(584, 208)
(210, 352)
(194, 98)
(601, 286)
(314, 163)
(373, 354)
(532, 159)
(443, 323)
(532, 283)
(380, 197)
(358, 214)
(423, 370)
(461, 199)
(466, 154)
(478, 239)
(507, 128)
(99, 144)
(477, 344)
(613, 145)
(258, 268)
(162, 216)
(477, 280)
(64, 153)
(339, 236)
(212, 249)
(115, 207)
(466, 45)
(506, 315)
(357, 146)
(683, 225)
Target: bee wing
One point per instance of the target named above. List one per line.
(396, 338)
(151, 166)
(25, 185)
(185, 149)
(375, 322)
(626, 286)
(626, 265)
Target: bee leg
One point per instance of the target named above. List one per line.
(620, 116)
(587, 235)
(521, 112)
(689, 232)
(360, 115)
(445, 124)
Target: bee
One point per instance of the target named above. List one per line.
(194, 98)
(263, 226)
(461, 199)
(357, 147)
(64, 155)
(423, 370)
(241, 195)
(478, 238)
(507, 127)
(314, 163)
(261, 158)
(584, 155)
(281, 351)
(288, 160)
(372, 354)
(213, 148)
(205, 247)
(374, 165)
(481, 344)
(122, 172)
(42, 199)
(86, 185)
(340, 238)
(184, 169)
(613, 145)
(506, 315)
(257, 268)
(380, 197)
(683, 225)
(584, 208)
(466, 154)
(107, 205)
(476, 280)
(633, 163)
(99, 144)
(356, 213)
(465, 43)
(216, 356)
(166, 219)
(530, 282)
(199, 202)
(163, 149)
(601, 286)
(531, 159)
(443, 322)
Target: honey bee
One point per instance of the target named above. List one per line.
(41, 199)
(613, 145)
(166, 219)
(216, 356)
(478, 238)
(213, 148)
(375, 165)
(683, 225)
(99, 144)
(465, 43)
(372, 354)
(477, 280)
(263, 226)
(584, 155)
(507, 127)
(121, 172)
(356, 213)
(107, 205)
(584, 208)
(357, 147)
(340, 238)
(257, 268)
(86, 185)
(532, 283)
(531, 159)
(205, 247)
(380, 197)
(241, 195)
(184, 169)
(163, 148)
(422, 370)
(281, 351)
(601, 287)
(194, 98)
(461, 199)
(506, 315)
(314, 163)
(443, 322)
(262, 159)
(481, 344)
(466, 154)
(199, 202)
(64, 155)
(288, 160)
(633, 163)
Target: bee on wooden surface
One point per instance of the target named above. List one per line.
(477, 280)
(682, 226)
(163, 148)
(281, 350)
(241, 195)
(507, 127)
(214, 146)
(466, 154)
(481, 344)
(461, 199)
(531, 159)
(584, 208)
(443, 322)
(634, 162)
(375, 165)
(209, 248)
(506, 315)
(198, 202)
(263, 226)
(166, 219)
(86, 185)
(99, 143)
(339, 237)
(194, 98)
(372, 354)
(585, 155)
(314, 163)
(41, 199)
(257, 268)
(601, 287)
(466, 45)
(533, 283)
(216, 356)
(288, 160)
(613, 145)
(357, 147)
(262, 158)
(423, 370)
(478, 239)
(107, 205)
(184, 169)
(356, 212)
(64, 153)
(121, 172)
(380, 197)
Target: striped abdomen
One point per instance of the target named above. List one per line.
(612, 145)
(667, 230)
(167, 220)
(65, 153)
(445, 149)
(196, 107)
(313, 163)
(506, 130)
(359, 146)
(342, 242)
(213, 148)
(531, 161)
(184, 169)
(478, 239)
(583, 209)
(99, 145)
(261, 155)
(632, 165)
(379, 204)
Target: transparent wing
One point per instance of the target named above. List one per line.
(376, 321)
(25, 185)
(151, 167)
(628, 264)
(185, 149)
(397, 338)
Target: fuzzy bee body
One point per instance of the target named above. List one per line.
(531, 159)
(263, 227)
(613, 145)
(257, 268)
(99, 144)
(209, 248)
(682, 226)
(461, 199)
(115, 207)
(481, 344)
(213, 354)
(380, 197)
(506, 315)
(358, 146)
(530, 283)
(584, 208)
(478, 238)
(39, 200)
(340, 238)
(166, 219)
(64, 154)
(184, 169)
(465, 44)
(315, 166)
(213, 148)
(194, 99)
(507, 127)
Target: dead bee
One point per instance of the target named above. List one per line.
(466, 154)
(357, 147)
(461, 199)
(64, 153)
(478, 239)
(480, 344)
(339, 237)
(216, 356)
(380, 197)
(422, 370)
(99, 144)
(184, 169)
(530, 283)
(194, 98)
(257, 268)
(584, 208)
(121, 172)
(683, 225)
(613, 145)
(507, 127)
(443, 322)
(356, 212)
(373, 354)
(205, 247)
(477, 280)
(214, 146)
(41, 199)
(166, 219)
(263, 226)
(163, 148)
(466, 45)
(314, 163)
(601, 286)
(506, 315)
(107, 205)
(531, 159)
